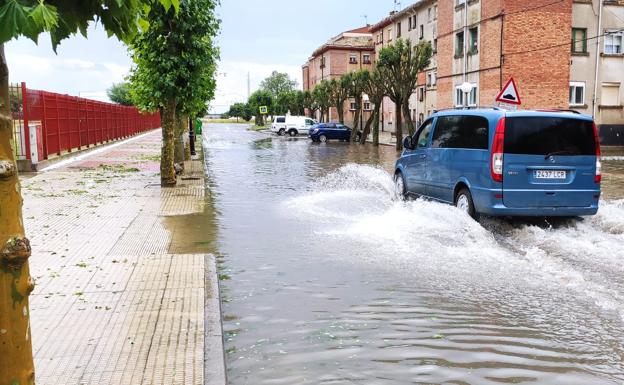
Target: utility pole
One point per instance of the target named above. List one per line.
(248, 85)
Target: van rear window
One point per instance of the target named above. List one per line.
(543, 136)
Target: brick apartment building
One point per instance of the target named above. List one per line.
(348, 52)
(562, 54)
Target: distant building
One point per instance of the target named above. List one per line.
(348, 52)
(599, 59)
(418, 23)
(564, 54)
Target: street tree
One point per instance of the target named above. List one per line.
(339, 92)
(321, 94)
(175, 64)
(277, 83)
(30, 18)
(290, 101)
(309, 103)
(374, 88)
(240, 110)
(401, 64)
(356, 91)
(258, 99)
(120, 93)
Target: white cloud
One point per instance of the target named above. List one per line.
(232, 81)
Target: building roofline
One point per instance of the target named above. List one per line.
(397, 15)
(327, 47)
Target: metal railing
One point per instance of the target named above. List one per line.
(61, 123)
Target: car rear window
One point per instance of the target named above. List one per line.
(281, 120)
(461, 131)
(543, 136)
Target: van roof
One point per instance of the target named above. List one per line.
(497, 113)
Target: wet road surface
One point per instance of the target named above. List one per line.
(327, 279)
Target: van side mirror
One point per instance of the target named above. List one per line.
(407, 143)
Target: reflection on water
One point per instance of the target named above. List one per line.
(332, 280)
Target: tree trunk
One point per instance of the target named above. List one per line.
(167, 171)
(367, 128)
(377, 113)
(340, 110)
(178, 151)
(356, 119)
(399, 126)
(16, 361)
(408, 117)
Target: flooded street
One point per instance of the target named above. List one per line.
(327, 279)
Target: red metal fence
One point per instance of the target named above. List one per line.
(70, 123)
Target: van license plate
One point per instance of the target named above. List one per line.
(550, 174)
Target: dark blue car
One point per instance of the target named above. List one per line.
(325, 131)
(503, 163)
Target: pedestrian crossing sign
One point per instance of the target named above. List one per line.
(264, 110)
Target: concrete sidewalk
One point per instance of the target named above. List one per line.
(121, 288)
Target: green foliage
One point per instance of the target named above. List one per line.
(260, 98)
(289, 101)
(240, 110)
(278, 83)
(322, 97)
(120, 93)
(63, 18)
(176, 58)
(400, 64)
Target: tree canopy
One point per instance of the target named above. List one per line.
(120, 93)
(176, 58)
(63, 18)
(277, 83)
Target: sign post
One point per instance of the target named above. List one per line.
(509, 97)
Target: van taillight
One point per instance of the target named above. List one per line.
(598, 175)
(496, 160)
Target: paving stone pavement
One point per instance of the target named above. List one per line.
(118, 300)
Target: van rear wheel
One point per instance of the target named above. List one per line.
(281, 132)
(463, 201)
(292, 132)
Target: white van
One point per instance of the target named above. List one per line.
(292, 125)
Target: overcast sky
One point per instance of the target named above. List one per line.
(256, 37)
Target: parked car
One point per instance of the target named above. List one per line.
(325, 131)
(503, 163)
(291, 125)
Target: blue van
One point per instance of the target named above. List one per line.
(504, 163)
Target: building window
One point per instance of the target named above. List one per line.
(435, 12)
(461, 2)
(422, 32)
(472, 97)
(367, 106)
(579, 40)
(409, 24)
(421, 118)
(429, 14)
(435, 45)
(421, 94)
(352, 59)
(431, 79)
(366, 59)
(613, 42)
(474, 40)
(459, 44)
(322, 61)
(389, 34)
(398, 27)
(610, 95)
(352, 106)
(577, 93)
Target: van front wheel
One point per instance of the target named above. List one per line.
(463, 201)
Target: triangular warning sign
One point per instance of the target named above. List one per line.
(509, 94)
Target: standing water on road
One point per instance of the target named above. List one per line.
(328, 278)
